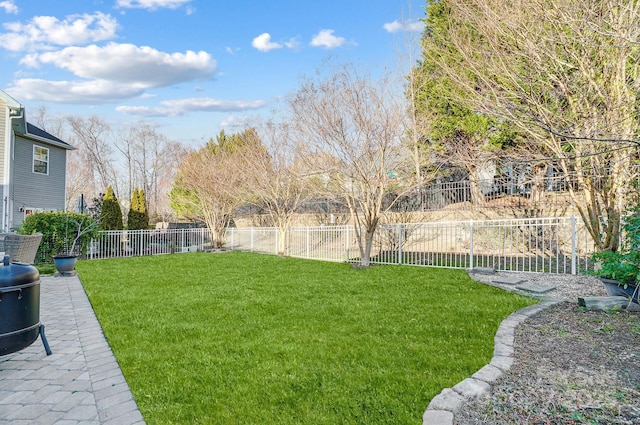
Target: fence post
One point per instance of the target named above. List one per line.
(307, 243)
(574, 254)
(471, 244)
(346, 242)
(399, 243)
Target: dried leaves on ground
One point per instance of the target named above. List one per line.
(572, 366)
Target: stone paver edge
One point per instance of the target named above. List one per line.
(442, 408)
(95, 343)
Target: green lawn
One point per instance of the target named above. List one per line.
(240, 338)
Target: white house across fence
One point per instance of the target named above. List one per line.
(550, 245)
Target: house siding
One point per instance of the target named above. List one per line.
(3, 144)
(37, 191)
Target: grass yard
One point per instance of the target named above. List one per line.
(239, 338)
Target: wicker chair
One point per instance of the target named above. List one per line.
(20, 248)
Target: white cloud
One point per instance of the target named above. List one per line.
(148, 111)
(9, 6)
(76, 92)
(236, 121)
(212, 105)
(152, 4)
(129, 64)
(264, 44)
(325, 38)
(178, 107)
(293, 43)
(111, 73)
(43, 32)
(410, 26)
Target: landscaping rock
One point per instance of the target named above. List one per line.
(508, 280)
(488, 374)
(502, 362)
(471, 388)
(483, 270)
(501, 349)
(536, 289)
(437, 417)
(607, 303)
(448, 400)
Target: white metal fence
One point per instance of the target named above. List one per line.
(136, 243)
(553, 245)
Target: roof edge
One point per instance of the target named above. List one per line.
(11, 102)
(48, 141)
(35, 133)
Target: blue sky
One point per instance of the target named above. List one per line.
(191, 67)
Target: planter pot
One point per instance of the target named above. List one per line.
(617, 289)
(65, 263)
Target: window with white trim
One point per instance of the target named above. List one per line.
(40, 160)
(30, 211)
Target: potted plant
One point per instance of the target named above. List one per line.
(620, 271)
(78, 229)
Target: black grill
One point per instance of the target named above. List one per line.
(19, 307)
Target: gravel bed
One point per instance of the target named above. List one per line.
(567, 287)
(571, 366)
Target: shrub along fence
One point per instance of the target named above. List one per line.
(551, 245)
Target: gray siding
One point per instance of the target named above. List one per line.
(33, 190)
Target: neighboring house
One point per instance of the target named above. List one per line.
(32, 166)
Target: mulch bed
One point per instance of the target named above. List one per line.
(572, 366)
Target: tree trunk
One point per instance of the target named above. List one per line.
(365, 260)
(477, 195)
(282, 241)
(218, 238)
(537, 185)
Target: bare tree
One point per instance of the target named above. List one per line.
(206, 188)
(52, 125)
(77, 175)
(168, 162)
(79, 180)
(350, 130)
(274, 182)
(414, 82)
(92, 137)
(567, 74)
(466, 151)
(150, 159)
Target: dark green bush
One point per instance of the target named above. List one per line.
(59, 232)
(623, 265)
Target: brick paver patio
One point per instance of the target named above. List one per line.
(80, 383)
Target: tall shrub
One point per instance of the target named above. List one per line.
(111, 214)
(138, 217)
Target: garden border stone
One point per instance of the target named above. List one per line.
(442, 408)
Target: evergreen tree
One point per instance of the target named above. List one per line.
(138, 217)
(111, 214)
(133, 207)
(142, 201)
